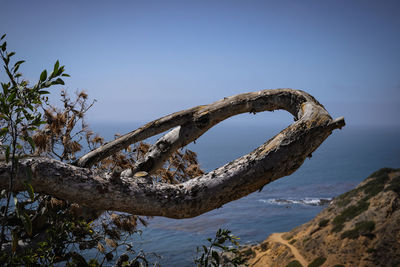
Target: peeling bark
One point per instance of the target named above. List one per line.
(278, 157)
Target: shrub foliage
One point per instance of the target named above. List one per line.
(39, 229)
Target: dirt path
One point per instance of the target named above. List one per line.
(277, 237)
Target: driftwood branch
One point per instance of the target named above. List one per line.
(278, 157)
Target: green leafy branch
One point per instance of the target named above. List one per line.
(212, 257)
(19, 117)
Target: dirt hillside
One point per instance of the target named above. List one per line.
(358, 228)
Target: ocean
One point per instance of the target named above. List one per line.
(346, 158)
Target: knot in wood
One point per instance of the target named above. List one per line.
(163, 146)
(202, 121)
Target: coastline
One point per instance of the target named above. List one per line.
(358, 228)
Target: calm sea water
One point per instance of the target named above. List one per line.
(346, 158)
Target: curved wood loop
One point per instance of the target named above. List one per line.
(278, 157)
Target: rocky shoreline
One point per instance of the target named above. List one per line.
(358, 228)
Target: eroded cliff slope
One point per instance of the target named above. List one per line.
(358, 228)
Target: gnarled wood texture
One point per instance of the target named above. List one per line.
(278, 157)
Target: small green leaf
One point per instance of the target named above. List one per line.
(3, 131)
(15, 69)
(65, 75)
(221, 240)
(59, 81)
(43, 76)
(60, 71)
(55, 70)
(11, 97)
(19, 62)
(2, 37)
(4, 46)
(16, 65)
(5, 87)
(30, 141)
(10, 54)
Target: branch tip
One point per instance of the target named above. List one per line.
(337, 123)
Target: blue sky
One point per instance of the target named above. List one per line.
(145, 59)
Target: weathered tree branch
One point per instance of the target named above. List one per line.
(278, 157)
